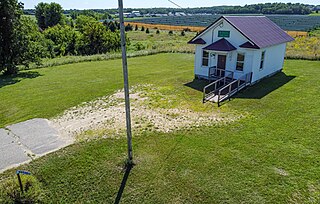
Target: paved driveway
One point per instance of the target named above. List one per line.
(22, 142)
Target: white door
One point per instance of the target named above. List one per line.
(213, 61)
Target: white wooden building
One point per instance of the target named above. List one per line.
(238, 48)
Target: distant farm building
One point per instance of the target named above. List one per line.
(236, 51)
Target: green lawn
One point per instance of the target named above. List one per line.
(162, 41)
(49, 91)
(270, 156)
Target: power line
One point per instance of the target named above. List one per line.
(175, 3)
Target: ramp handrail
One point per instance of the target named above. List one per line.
(245, 79)
(215, 84)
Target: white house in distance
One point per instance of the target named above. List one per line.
(244, 48)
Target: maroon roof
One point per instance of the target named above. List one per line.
(249, 45)
(198, 41)
(221, 45)
(259, 29)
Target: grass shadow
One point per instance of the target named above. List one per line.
(265, 87)
(197, 84)
(13, 79)
(128, 169)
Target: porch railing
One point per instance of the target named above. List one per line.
(218, 72)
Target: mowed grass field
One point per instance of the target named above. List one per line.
(271, 155)
(49, 91)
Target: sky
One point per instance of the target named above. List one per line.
(106, 4)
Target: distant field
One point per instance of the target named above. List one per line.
(286, 22)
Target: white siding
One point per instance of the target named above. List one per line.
(198, 68)
(273, 61)
(236, 39)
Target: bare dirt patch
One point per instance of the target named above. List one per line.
(105, 117)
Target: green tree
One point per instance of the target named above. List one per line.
(20, 41)
(64, 40)
(40, 11)
(106, 15)
(10, 14)
(49, 15)
(96, 39)
(83, 21)
(31, 46)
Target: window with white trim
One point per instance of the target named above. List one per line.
(263, 54)
(240, 62)
(205, 58)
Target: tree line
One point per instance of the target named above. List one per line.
(24, 40)
(266, 8)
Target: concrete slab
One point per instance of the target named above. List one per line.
(11, 152)
(38, 136)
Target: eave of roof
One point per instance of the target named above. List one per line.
(207, 28)
(221, 45)
(249, 45)
(198, 41)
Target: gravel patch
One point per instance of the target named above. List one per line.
(107, 116)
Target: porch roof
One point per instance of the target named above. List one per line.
(221, 45)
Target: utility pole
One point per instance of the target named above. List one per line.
(126, 82)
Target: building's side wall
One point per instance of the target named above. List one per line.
(273, 62)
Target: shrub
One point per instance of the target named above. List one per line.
(182, 33)
(136, 28)
(96, 40)
(10, 191)
(128, 27)
(158, 32)
(142, 28)
(65, 40)
(147, 31)
(170, 32)
(139, 46)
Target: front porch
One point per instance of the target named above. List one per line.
(224, 85)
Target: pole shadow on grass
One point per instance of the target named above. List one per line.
(13, 79)
(128, 168)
